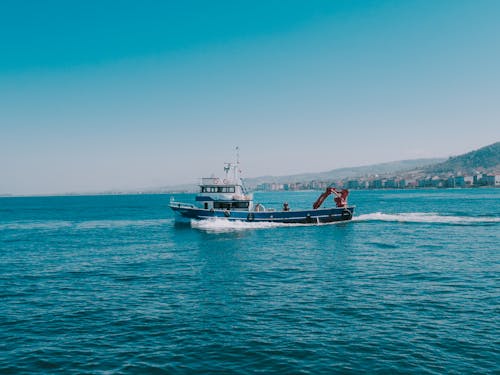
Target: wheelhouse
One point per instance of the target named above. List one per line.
(224, 194)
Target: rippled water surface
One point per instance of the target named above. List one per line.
(110, 284)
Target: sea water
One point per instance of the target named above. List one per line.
(111, 284)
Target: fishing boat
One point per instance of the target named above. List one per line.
(229, 199)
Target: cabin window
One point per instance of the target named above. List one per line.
(222, 205)
(240, 204)
(217, 189)
(206, 205)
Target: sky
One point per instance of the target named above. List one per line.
(117, 95)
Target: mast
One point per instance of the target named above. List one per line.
(237, 166)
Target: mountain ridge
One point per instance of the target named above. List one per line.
(347, 172)
(484, 158)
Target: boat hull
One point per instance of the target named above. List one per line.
(323, 215)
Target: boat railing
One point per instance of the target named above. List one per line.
(181, 205)
(211, 181)
(173, 203)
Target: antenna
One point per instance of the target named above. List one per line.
(237, 166)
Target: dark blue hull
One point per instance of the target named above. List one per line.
(322, 215)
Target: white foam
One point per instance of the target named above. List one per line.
(84, 225)
(423, 217)
(220, 225)
(41, 225)
(103, 224)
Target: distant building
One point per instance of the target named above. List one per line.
(390, 184)
(450, 182)
(353, 184)
(459, 181)
(488, 180)
(412, 184)
(476, 179)
(424, 182)
(436, 182)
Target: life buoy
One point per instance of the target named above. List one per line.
(250, 217)
(346, 214)
(227, 213)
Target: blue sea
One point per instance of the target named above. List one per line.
(112, 285)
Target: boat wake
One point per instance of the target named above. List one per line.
(52, 225)
(218, 225)
(422, 217)
(221, 225)
(109, 224)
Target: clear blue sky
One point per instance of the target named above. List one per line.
(99, 95)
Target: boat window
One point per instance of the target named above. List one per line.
(222, 205)
(217, 189)
(240, 204)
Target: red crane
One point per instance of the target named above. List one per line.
(340, 197)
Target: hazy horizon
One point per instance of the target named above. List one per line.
(101, 96)
(193, 182)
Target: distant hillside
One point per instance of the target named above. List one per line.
(486, 158)
(341, 173)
